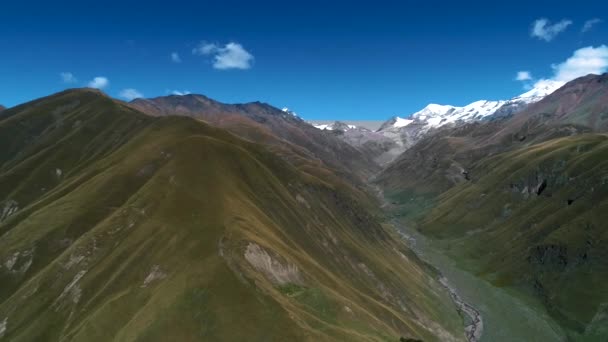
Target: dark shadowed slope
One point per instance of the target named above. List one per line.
(273, 127)
(119, 225)
(535, 219)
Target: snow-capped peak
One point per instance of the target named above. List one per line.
(541, 89)
(338, 125)
(435, 115)
(437, 108)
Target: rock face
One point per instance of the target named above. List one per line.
(2, 108)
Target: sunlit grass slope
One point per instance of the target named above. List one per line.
(119, 226)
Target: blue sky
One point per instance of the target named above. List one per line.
(338, 60)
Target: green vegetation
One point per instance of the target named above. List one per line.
(120, 226)
(533, 220)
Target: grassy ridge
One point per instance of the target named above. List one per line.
(169, 229)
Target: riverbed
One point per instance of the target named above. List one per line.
(501, 316)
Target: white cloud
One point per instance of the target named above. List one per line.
(523, 76)
(180, 92)
(233, 56)
(68, 77)
(130, 94)
(205, 48)
(99, 82)
(543, 29)
(590, 23)
(584, 61)
(230, 56)
(175, 57)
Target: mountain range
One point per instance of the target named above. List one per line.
(120, 225)
(406, 132)
(184, 218)
(520, 200)
(286, 133)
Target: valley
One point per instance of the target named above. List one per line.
(185, 214)
(491, 313)
(314, 171)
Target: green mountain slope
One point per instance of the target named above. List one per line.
(534, 219)
(273, 127)
(443, 159)
(119, 226)
(521, 201)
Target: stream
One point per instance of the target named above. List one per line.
(490, 313)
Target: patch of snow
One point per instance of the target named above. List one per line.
(324, 127)
(400, 122)
(337, 125)
(286, 110)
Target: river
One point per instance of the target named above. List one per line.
(490, 313)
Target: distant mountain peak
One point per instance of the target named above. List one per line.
(395, 122)
(436, 115)
(541, 89)
(407, 130)
(337, 126)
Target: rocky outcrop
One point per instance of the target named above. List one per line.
(9, 207)
(278, 271)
